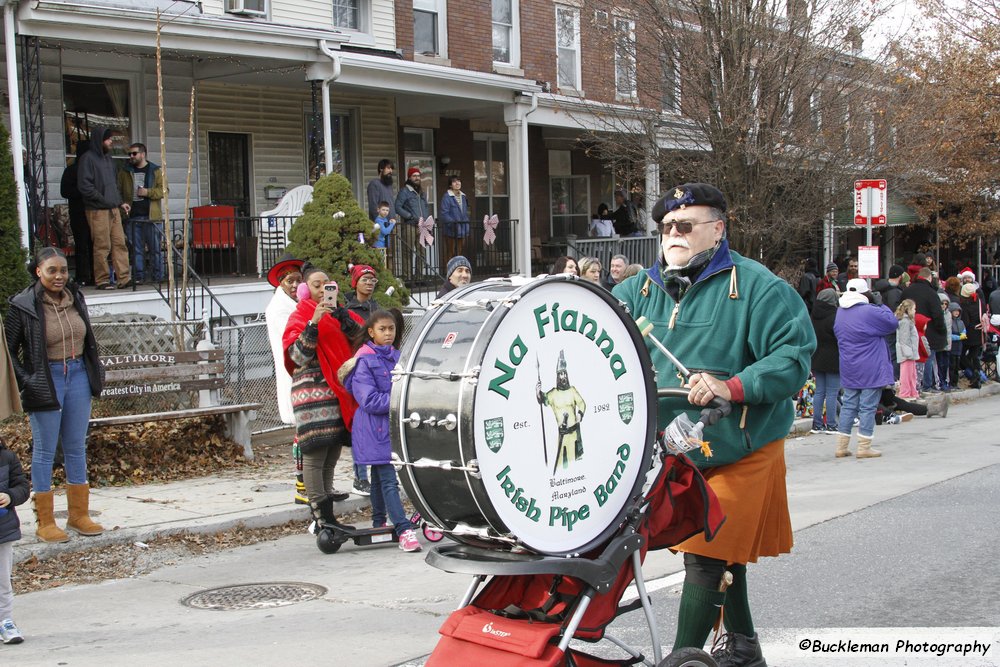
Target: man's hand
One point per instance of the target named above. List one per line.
(142, 192)
(4, 500)
(127, 208)
(704, 388)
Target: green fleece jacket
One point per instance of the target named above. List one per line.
(737, 319)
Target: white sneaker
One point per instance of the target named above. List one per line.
(408, 541)
(9, 632)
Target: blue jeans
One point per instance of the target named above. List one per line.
(929, 372)
(385, 497)
(143, 233)
(827, 388)
(943, 364)
(360, 472)
(70, 422)
(860, 403)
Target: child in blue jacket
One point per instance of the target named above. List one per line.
(14, 490)
(368, 377)
(383, 225)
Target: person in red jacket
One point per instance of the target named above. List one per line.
(316, 345)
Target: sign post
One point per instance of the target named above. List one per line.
(870, 207)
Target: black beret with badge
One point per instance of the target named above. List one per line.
(689, 194)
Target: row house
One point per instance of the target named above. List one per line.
(498, 92)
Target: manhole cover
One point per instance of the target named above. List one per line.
(254, 596)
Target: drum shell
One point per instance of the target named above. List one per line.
(454, 339)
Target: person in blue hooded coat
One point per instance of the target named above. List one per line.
(368, 377)
(861, 328)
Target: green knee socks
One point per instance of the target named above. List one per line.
(737, 617)
(697, 615)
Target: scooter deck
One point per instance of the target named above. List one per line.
(363, 536)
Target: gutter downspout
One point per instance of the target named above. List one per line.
(327, 123)
(16, 136)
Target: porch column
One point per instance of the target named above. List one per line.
(16, 138)
(652, 184)
(515, 116)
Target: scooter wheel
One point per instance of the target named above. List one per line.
(688, 657)
(327, 541)
(431, 534)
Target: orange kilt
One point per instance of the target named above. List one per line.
(753, 496)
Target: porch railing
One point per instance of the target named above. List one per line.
(639, 249)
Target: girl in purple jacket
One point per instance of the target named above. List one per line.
(368, 377)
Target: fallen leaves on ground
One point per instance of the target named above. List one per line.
(143, 453)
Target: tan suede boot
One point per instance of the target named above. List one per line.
(842, 443)
(78, 497)
(47, 530)
(865, 450)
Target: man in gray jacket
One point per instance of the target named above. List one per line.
(97, 181)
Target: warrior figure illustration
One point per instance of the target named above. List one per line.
(568, 407)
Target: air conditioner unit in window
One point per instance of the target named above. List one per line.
(247, 7)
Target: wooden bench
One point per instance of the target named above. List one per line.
(146, 375)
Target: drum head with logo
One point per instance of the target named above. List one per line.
(563, 415)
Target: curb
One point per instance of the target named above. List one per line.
(272, 516)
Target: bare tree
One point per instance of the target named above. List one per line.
(948, 97)
(771, 100)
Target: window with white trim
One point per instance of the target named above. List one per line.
(568, 47)
(625, 74)
(506, 33)
(430, 28)
(349, 14)
(815, 114)
(671, 70)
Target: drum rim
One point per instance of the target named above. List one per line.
(466, 426)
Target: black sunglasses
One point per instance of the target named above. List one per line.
(135, 152)
(683, 226)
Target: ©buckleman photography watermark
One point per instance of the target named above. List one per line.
(818, 647)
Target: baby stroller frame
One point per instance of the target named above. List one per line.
(530, 600)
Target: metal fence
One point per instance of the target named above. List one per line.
(250, 368)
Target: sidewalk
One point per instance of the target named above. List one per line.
(256, 498)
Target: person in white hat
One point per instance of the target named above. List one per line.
(861, 328)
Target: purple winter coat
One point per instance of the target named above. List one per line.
(864, 354)
(370, 382)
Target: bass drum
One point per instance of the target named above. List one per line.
(525, 416)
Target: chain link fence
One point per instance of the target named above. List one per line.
(250, 371)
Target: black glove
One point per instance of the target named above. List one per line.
(347, 323)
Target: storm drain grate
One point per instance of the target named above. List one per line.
(254, 596)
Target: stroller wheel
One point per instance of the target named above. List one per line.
(327, 541)
(688, 657)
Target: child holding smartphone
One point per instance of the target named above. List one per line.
(368, 377)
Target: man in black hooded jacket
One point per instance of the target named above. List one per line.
(97, 181)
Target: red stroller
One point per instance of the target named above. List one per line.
(534, 605)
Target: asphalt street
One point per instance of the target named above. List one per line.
(902, 547)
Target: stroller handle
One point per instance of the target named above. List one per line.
(711, 414)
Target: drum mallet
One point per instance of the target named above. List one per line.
(646, 329)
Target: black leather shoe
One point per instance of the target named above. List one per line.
(339, 496)
(736, 650)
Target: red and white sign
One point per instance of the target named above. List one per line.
(870, 202)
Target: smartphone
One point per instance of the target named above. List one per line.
(330, 290)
